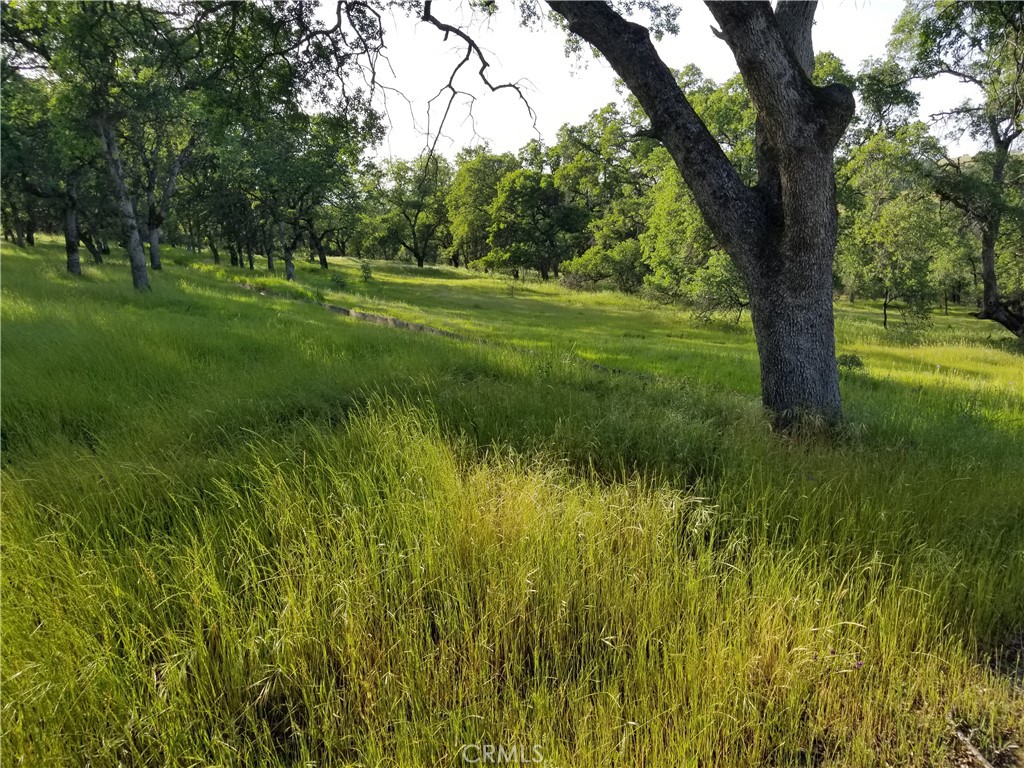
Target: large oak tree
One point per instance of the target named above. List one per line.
(780, 231)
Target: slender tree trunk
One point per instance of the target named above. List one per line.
(74, 262)
(885, 310)
(91, 245)
(30, 225)
(287, 250)
(214, 252)
(136, 256)
(236, 258)
(321, 251)
(19, 225)
(249, 256)
(154, 247)
(992, 305)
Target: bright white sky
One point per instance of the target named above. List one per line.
(562, 90)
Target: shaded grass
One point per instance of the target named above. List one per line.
(240, 530)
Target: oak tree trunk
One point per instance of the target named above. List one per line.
(992, 305)
(30, 225)
(791, 308)
(321, 251)
(136, 256)
(74, 262)
(287, 249)
(154, 247)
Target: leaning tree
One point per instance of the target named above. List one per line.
(981, 45)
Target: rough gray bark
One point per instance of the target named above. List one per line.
(781, 234)
(71, 237)
(136, 256)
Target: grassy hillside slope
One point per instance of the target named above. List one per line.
(241, 530)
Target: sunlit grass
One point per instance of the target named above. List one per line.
(241, 530)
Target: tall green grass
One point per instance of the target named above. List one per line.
(240, 530)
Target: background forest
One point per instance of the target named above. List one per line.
(225, 157)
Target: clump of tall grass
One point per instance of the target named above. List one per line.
(381, 594)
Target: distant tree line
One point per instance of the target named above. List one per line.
(124, 125)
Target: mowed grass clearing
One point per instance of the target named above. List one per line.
(239, 530)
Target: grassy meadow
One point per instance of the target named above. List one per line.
(240, 530)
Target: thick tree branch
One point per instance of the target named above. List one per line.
(795, 113)
(732, 210)
(795, 18)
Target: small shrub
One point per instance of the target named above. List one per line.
(365, 271)
(573, 281)
(181, 259)
(849, 362)
(339, 281)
